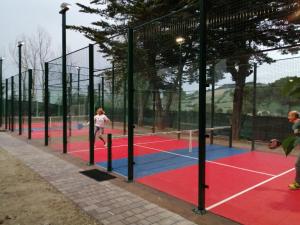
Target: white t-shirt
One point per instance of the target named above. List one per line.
(100, 120)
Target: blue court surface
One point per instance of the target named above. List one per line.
(161, 161)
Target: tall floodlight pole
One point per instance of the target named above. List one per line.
(20, 44)
(202, 107)
(64, 8)
(1, 92)
(179, 41)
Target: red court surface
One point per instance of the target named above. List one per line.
(120, 147)
(249, 188)
(56, 137)
(40, 134)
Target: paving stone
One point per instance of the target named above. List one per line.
(104, 201)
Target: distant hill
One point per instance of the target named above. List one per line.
(266, 103)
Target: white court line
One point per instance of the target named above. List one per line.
(221, 164)
(240, 168)
(150, 142)
(247, 190)
(186, 156)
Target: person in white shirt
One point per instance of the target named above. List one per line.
(100, 119)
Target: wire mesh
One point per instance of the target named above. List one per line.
(110, 81)
(110, 94)
(16, 104)
(55, 132)
(2, 101)
(165, 70)
(2, 107)
(238, 28)
(8, 105)
(78, 99)
(275, 83)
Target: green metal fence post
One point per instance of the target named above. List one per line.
(20, 90)
(29, 102)
(102, 94)
(113, 96)
(70, 104)
(124, 106)
(99, 94)
(230, 136)
(12, 105)
(109, 152)
(254, 107)
(6, 104)
(202, 109)
(179, 91)
(64, 81)
(130, 106)
(153, 110)
(1, 93)
(46, 100)
(78, 89)
(212, 117)
(91, 103)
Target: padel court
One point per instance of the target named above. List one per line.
(247, 187)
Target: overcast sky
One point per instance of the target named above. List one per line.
(18, 17)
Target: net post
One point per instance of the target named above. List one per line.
(6, 103)
(12, 105)
(109, 152)
(91, 104)
(46, 104)
(254, 107)
(130, 106)
(29, 102)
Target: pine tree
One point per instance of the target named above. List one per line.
(238, 30)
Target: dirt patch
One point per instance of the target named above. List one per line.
(25, 198)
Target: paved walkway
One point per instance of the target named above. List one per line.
(104, 201)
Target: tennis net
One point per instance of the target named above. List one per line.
(189, 137)
(55, 122)
(160, 151)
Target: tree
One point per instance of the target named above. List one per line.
(241, 34)
(151, 55)
(35, 52)
(290, 86)
(237, 31)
